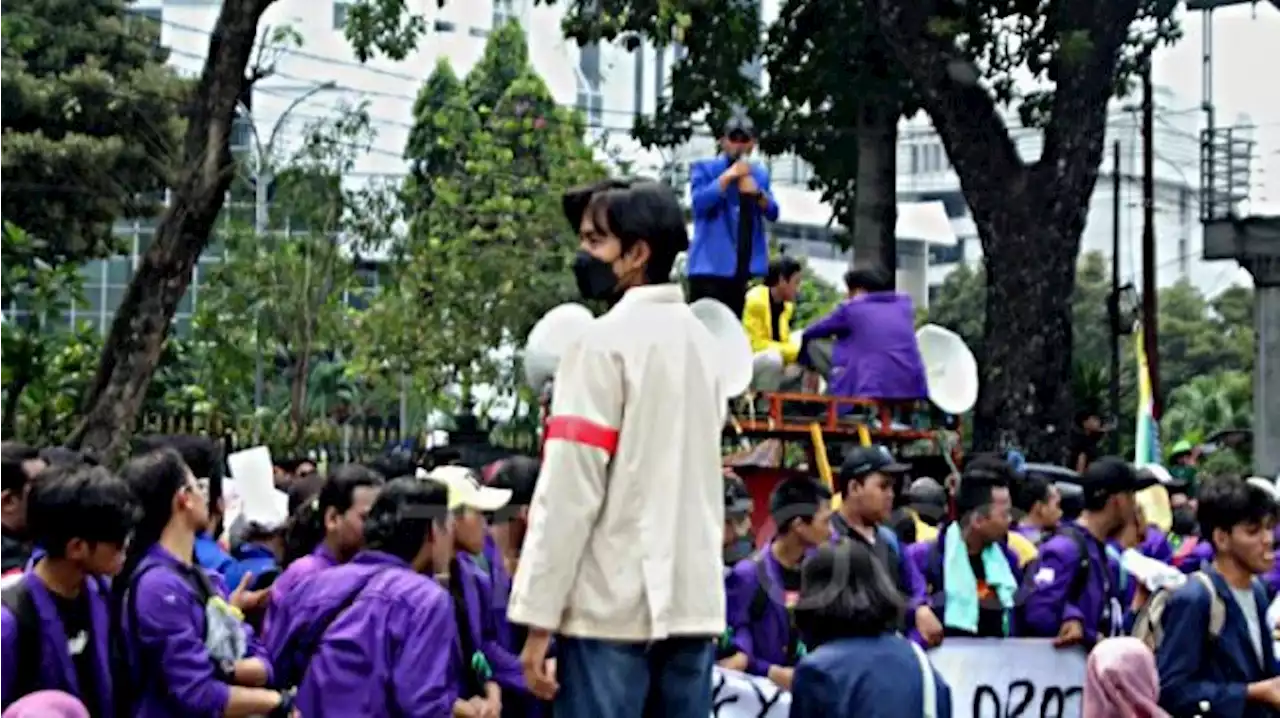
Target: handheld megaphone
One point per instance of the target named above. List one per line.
(950, 369)
(731, 346)
(554, 333)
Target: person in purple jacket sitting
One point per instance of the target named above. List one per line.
(875, 354)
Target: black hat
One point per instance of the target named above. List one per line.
(1110, 475)
(927, 498)
(739, 124)
(865, 460)
(737, 501)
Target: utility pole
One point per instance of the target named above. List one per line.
(1113, 301)
(1150, 305)
(263, 177)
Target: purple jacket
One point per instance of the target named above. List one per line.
(931, 564)
(1156, 545)
(875, 353)
(484, 628)
(319, 559)
(57, 671)
(393, 651)
(166, 649)
(765, 638)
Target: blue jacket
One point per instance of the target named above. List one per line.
(865, 677)
(211, 557)
(57, 670)
(252, 558)
(166, 648)
(714, 249)
(1201, 676)
(392, 651)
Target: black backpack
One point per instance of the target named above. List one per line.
(18, 600)
(760, 601)
(1079, 574)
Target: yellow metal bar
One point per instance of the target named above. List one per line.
(820, 457)
(864, 436)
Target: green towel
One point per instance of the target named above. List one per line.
(961, 586)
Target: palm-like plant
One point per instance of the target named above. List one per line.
(1208, 404)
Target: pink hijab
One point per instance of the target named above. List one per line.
(1121, 681)
(47, 704)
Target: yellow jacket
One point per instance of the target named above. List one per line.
(1023, 548)
(757, 320)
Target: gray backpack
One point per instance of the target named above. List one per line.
(1148, 626)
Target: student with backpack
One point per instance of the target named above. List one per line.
(184, 650)
(865, 484)
(761, 590)
(378, 635)
(1072, 592)
(1212, 642)
(56, 617)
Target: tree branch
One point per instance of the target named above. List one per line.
(964, 113)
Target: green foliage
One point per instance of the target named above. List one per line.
(91, 121)
(486, 253)
(817, 298)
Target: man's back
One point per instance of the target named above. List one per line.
(875, 354)
(626, 523)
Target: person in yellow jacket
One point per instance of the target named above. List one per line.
(766, 318)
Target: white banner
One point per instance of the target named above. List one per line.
(1003, 678)
(738, 695)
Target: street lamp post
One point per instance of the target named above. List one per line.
(263, 178)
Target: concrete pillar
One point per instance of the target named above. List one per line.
(1266, 378)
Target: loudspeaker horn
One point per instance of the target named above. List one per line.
(554, 333)
(950, 369)
(732, 347)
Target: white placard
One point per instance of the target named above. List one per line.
(738, 695)
(994, 678)
(255, 484)
(1153, 574)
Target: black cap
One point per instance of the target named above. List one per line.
(737, 501)
(1110, 475)
(739, 124)
(927, 498)
(865, 460)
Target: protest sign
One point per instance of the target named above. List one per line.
(259, 501)
(738, 695)
(1011, 677)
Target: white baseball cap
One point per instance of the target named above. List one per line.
(465, 489)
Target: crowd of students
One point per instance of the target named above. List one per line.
(837, 602)
(384, 594)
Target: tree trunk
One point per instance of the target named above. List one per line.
(141, 323)
(1029, 217)
(875, 192)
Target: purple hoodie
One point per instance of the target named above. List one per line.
(875, 353)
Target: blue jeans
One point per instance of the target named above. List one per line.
(669, 678)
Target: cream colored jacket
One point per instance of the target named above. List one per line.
(624, 541)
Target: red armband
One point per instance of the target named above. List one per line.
(582, 431)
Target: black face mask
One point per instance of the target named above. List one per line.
(595, 277)
(741, 547)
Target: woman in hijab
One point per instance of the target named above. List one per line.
(47, 704)
(1121, 681)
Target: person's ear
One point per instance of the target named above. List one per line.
(639, 254)
(77, 549)
(331, 518)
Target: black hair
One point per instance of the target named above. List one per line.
(870, 279)
(305, 527)
(576, 200)
(79, 502)
(394, 464)
(519, 474)
(14, 455)
(903, 525)
(62, 456)
(202, 455)
(782, 269)
(796, 499)
(303, 490)
(1184, 522)
(1031, 491)
(846, 593)
(441, 456)
(403, 516)
(155, 478)
(1227, 502)
(648, 211)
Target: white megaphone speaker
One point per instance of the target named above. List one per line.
(554, 333)
(950, 369)
(732, 347)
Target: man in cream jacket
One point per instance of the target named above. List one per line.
(622, 556)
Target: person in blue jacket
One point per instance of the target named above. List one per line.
(721, 260)
(1235, 673)
(761, 590)
(377, 636)
(185, 651)
(972, 575)
(849, 611)
(865, 484)
(56, 617)
(1073, 592)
